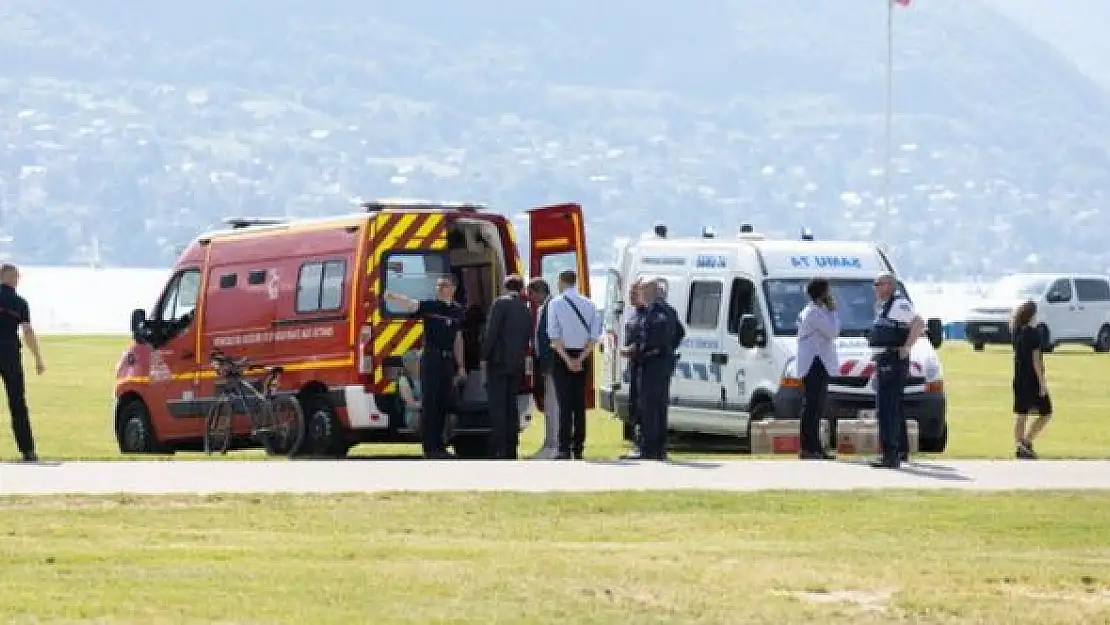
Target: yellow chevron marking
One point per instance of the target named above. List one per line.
(398, 230)
(386, 336)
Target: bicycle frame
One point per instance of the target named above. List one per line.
(240, 390)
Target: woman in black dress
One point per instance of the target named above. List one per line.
(1030, 387)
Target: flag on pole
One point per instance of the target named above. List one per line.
(904, 3)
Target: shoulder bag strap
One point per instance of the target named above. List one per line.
(578, 313)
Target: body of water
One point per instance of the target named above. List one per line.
(85, 300)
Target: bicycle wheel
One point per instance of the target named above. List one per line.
(217, 427)
(286, 426)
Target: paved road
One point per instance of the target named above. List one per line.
(162, 477)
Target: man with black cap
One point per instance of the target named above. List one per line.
(896, 328)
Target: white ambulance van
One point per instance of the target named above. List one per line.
(739, 298)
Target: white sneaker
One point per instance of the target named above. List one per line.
(545, 453)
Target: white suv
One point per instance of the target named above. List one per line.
(1071, 308)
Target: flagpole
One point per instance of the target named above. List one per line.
(884, 228)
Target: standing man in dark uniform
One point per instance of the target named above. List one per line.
(661, 335)
(442, 362)
(896, 328)
(504, 349)
(632, 340)
(15, 315)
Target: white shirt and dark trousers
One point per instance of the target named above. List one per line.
(818, 328)
(573, 319)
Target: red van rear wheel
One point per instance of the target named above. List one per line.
(323, 435)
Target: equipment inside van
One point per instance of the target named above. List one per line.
(308, 295)
(740, 298)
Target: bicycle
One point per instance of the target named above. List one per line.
(276, 421)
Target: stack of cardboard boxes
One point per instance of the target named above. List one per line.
(853, 436)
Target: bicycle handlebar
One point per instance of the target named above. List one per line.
(222, 359)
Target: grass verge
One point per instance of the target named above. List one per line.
(71, 407)
(505, 558)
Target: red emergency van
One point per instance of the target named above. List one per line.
(308, 295)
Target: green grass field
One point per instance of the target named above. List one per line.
(692, 558)
(71, 407)
(682, 558)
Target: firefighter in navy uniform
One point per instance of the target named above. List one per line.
(442, 363)
(632, 341)
(896, 328)
(15, 315)
(661, 335)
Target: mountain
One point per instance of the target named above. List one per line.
(135, 125)
(1077, 28)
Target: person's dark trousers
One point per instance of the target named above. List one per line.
(816, 382)
(891, 382)
(501, 389)
(655, 390)
(570, 386)
(904, 439)
(11, 371)
(437, 372)
(634, 407)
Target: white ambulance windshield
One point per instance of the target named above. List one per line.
(855, 301)
(1018, 287)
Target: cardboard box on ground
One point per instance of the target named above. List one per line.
(853, 436)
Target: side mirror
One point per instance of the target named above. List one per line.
(141, 331)
(138, 318)
(934, 329)
(751, 335)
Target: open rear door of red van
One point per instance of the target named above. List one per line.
(557, 239)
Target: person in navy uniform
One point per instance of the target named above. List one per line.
(15, 315)
(442, 362)
(661, 333)
(632, 340)
(896, 328)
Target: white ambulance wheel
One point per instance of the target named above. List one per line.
(935, 445)
(1102, 341)
(1047, 345)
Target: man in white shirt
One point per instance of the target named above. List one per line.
(897, 327)
(574, 327)
(818, 328)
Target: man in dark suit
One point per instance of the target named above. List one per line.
(540, 294)
(504, 350)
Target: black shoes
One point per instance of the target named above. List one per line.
(1024, 451)
(30, 457)
(816, 455)
(886, 462)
